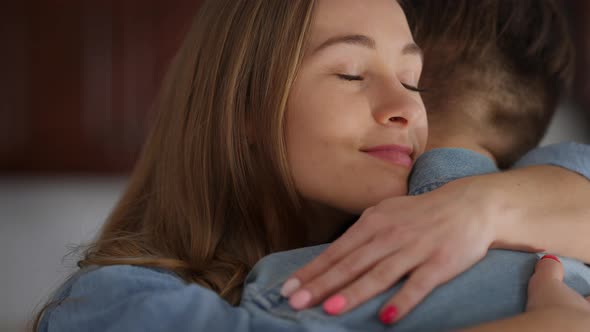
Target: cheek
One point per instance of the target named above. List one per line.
(321, 115)
(320, 143)
(421, 131)
(313, 136)
(422, 136)
(324, 132)
(328, 168)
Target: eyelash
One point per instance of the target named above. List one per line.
(360, 78)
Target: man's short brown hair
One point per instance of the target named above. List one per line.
(515, 57)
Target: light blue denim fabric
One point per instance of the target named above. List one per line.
(570, 155)
(492, 289)
(129, 298)
(125, 298)
(441, 166)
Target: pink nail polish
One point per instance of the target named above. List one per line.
(549, 256)
(300, 299)
(290, 286)
(388, 315)
(335, 304)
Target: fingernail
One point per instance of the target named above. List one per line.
(388, 314)
(300, 299)
(551, 257)
(335, 304)
(290, 286)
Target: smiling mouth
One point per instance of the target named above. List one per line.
(392, 154)
(393, 157)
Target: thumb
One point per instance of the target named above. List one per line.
(544, 285)
(546, 288)
(549, 267)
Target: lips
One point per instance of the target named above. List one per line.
(393, 154)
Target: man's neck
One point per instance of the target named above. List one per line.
(459, 142)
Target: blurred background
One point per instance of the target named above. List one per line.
(77, 82)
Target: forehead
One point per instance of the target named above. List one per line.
(382, 20)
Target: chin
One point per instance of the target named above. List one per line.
(391, 189)
(362, 203)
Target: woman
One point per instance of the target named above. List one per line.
(226, 162)
(494, 89)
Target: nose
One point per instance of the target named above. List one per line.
(398, 106)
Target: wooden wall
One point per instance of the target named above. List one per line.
(580, 11)
(78, 80)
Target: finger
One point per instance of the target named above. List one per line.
(353, 238)
(546, 287)
(381, 277)
(420, 283)
(343, 272)
(542, 284)
(549, 266)
(543, 288)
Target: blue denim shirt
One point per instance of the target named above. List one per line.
(130, 298)
(494, 288)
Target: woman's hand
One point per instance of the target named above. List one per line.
(551, 306)
(433, 238)
(547, 290)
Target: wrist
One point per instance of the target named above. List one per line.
(510, 228)
(502, 216)
(487, 204)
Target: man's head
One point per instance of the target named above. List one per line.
(494, 69)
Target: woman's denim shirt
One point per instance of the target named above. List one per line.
(130, 298)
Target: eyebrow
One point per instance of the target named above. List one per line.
(368, 42)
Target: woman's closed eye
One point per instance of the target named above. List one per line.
(350, 77)
(346, 77)
(413, 88)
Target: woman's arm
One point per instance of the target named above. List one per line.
(433, 237)
(543, 208)
(551, 205)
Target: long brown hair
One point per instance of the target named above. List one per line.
(212, 193)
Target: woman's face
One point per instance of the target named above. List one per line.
(354, 125)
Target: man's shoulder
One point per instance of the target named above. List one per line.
(121, 279)
(273, 269)
(442, 165)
